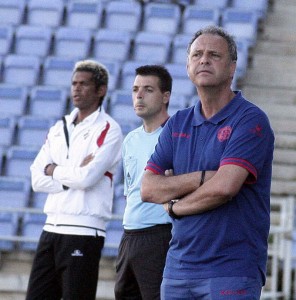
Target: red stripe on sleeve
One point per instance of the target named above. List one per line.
(101, 138)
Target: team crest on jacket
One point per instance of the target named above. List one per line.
(224, 133)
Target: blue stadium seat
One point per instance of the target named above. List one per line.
(195, 17)
(31, 229)
(8, 228)
(114, 68)
(6, 39)
(114, 233)
(123, 16)
(241, 23)
(72, 42)
(12, 12)
(84, 13)
(46, 13)
(178, 101)
(242, 58)
(162, 18)
(32, 130)
(13, 99)
(33, 40)
(7, 132)
(112, 44)
(122, 107)
(182, 85)
(119, 204)
(14, 192)
(48, 101)
(19, 160)
(21, 69)
(38, 200)
(152, 47)
(58, 71)
(128, 74)
(260, 6)
(179, 48)
(220, 4)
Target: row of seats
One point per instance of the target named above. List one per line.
(126, 15)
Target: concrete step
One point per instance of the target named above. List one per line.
(283, 126)
(279, 111)
(269, 77)
(283, 187)
(270, 47)
(258, 94)
(285, 156)
(283, 172)
(285, 141)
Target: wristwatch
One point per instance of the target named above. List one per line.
(170, 209)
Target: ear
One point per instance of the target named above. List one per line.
(232, 68)
(102, 90)
(166, 97)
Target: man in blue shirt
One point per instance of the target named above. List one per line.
(220, 151)
(147, 226)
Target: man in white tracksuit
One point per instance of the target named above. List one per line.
(75, 167)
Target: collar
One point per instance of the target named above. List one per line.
(73, 115)
(221, 115)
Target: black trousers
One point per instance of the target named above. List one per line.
(65, 266)
(140, 263)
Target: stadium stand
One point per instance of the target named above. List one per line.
(84, 13)
(33, 40)
(150, 47)
(13, 99)
(7, 132)
(21, 69)
(6, 38)
(31, 27)
(112, 44)
(162, 18)
(32, 130)
(48, 101)
(46, 13)
(72, 42)
(123, 16)
(12, 12)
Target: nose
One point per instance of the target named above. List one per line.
(139, 94)
(204, 59)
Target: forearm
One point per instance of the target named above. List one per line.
(161, 189)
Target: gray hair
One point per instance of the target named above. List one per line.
(215, 30)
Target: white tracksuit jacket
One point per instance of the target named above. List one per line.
(88, 201)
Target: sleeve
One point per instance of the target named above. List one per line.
(40, 181)
(251, 141)
(162, 158)
(106, 157)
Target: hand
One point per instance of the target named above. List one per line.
(87, 160)
(48, 170)
(166, 207)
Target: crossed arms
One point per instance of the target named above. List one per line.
(219, 187)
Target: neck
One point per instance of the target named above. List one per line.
(213, 100)
(152, 124)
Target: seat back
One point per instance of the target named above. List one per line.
(13, 99)
(33, 40)
(21, 69)
(6, 38)
(123, 16)
(84, 14)
(12, 12)
(7, 132)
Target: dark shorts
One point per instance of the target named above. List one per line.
(65, 266)
(140, 263)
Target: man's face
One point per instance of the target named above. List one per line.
(85, 95)
(148, 99)
(208, 63)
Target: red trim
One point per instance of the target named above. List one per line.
(101, 138)
(110, 175)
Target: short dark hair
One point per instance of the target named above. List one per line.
(165, 78)
(215, 30)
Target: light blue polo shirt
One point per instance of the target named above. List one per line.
(136, 150)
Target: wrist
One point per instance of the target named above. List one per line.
(170, 209)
